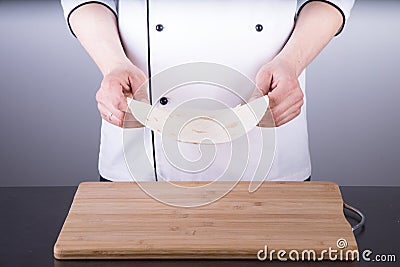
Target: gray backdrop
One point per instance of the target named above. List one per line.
(49, 131)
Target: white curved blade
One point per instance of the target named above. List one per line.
(200, 126)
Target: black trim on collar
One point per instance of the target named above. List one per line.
(329, 3)
(85, 3)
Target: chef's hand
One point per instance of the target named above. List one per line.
(278, 80)
(96, 28)
(123, 81)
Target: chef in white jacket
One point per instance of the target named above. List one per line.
(269, 41)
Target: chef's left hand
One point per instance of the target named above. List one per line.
(278, 80)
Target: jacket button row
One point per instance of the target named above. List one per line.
(163, 100)
(160, 27)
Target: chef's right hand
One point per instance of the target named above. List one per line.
(123, 81)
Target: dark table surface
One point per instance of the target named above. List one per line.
(31, 218)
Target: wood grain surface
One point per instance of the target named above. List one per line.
(120, 221)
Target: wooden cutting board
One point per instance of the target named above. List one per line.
(120, 221)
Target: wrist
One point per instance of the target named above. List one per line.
(290, 62)
(117, 63)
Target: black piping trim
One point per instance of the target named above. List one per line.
(150, 92)
(329, 3)
(85, 3)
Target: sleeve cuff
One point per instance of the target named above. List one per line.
(343, 6)
(69, 6)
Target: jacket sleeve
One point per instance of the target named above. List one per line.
(69, 6)
(343, 6)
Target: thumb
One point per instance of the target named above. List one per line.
(263, 83)
(141, 94)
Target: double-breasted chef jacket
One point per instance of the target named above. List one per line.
(240, 34)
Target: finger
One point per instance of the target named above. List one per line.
(128, 120)
(286, 106)
(112, 95)
(281, 114)
(138, 88)
(141, 95)
(264, 80)
(131, 122)
(288, 117)
(117, 101)
(263, 83)
(267, 120)
(285, 88)
(285, 96)
(277, 97)
(108, 115)
(137, 80)
(118, 106)
(120, 103)
(123, 114)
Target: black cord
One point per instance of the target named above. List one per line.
(150, 92)
(359, 213)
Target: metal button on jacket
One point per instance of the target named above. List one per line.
(159, 27)
(163, 100)
(179, 34)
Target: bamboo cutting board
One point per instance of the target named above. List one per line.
(120, 221)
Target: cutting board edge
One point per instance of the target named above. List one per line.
(61, 254)
(89, 183)
(72, 255)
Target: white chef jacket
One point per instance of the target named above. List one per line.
(216, 31)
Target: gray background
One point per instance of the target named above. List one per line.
(49, 131)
